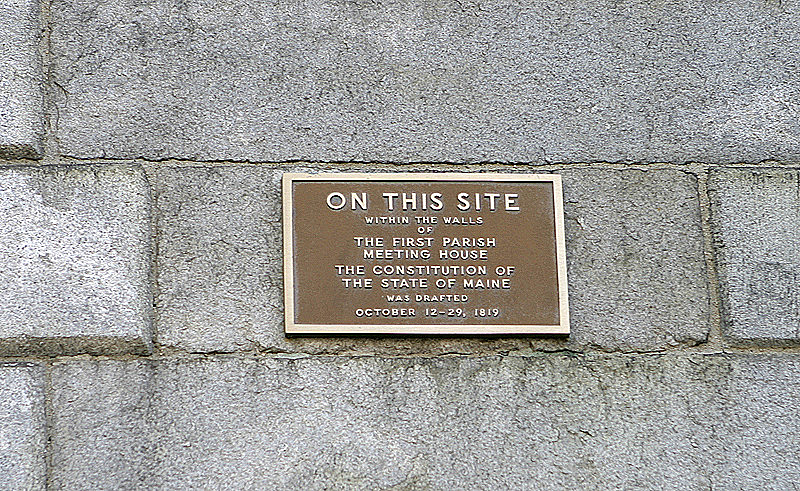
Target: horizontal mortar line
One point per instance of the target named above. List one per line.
(166, 352)
(787, 351)
(443, 166)
(350, 163)
(388, 163)
(374, 162)
(250, 355)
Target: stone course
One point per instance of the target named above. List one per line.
(22, 427)
(545, 421)
(634, 249)
(74, 260)
(21, 79)
(441, 81)
(756, 217)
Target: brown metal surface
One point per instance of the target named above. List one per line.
(341, 271)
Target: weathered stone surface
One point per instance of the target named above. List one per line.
(74, 259)
(755, 215)
(21, 98)
(546, 421)
(219, 257)
(409, 80)
(23, 438)
(635, 259)
(220, 270)
(634, 247)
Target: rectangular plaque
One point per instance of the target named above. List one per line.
(453, 253)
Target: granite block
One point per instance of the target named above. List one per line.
(21, 80)
(421, 81)
(755, 217)
(75, 254)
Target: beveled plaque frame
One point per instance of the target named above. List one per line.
(292, 328)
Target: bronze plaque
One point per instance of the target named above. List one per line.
(424, 254)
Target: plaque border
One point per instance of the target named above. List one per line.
(291, 328)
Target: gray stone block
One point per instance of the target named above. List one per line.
(23, 437)
(219, 258)
(220, 271)
(74, 260)
(21, 79)
(411, 80)
(636, 269)
(543, 422)
(755, 216)
(634, 248)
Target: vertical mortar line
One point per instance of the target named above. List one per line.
(715, 338)
(50, 108)
(151, 172)
(48, 423)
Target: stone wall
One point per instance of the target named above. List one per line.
(142, 145)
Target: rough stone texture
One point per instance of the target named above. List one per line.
(544, 422)
(635, 254)
(219, 263)
(444, 80)
(74, 260)
(635, 259)
(220, 270)
(756, 220)
(22, 427)
(21, 97)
